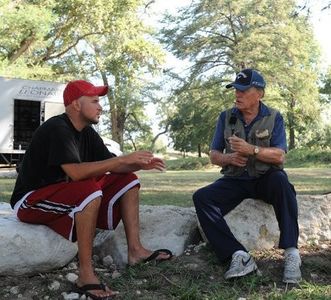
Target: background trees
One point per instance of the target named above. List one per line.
(104, 39)
(107, 41)
(220, 37)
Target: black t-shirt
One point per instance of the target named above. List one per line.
(54, 143)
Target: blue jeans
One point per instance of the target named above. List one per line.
(214, 201)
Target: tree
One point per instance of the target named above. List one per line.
(62, 40)
(220, 37)
(325, 89)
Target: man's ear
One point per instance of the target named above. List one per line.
(76, 105)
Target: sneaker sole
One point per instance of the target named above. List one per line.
(249, 270)
(291, 280)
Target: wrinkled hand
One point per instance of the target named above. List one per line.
(240, 145)
(145, 160)
(238, 159)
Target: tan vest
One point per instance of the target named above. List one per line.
(259, 135)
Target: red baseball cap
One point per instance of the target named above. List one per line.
(78, 88)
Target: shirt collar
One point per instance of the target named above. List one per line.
(263, 111)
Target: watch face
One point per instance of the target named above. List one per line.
(256, 150)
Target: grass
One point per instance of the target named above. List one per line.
(177, 187)
(199, 276)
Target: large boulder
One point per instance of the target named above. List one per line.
(314, 219)
(254, 224)
(168, 226)
(30, 249)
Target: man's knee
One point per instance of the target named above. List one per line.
(94, 204)
(199, 196)
(279, 180)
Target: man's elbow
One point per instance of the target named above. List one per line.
(73, 172)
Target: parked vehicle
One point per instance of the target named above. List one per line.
(25, 105)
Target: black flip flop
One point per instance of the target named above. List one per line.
(84, 290)
(156, 253)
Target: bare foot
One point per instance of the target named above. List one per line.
(135, 257)
(104, 291)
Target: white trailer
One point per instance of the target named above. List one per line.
(25, 104)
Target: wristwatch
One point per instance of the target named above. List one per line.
(256, 150)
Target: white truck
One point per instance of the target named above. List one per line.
(25, 104)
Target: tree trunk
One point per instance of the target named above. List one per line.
(199, 150)
(291, 124)
(117, 115)
(24, 46)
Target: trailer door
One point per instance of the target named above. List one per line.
(52, 109)
(26, 121)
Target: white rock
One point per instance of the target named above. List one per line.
(54, 286)
(30, 249)
(107, 261)
(115, 274)
(168, 226)
(199, 247)
(72, 266)
(72, 277)
(70, 296)
(27, 248)
(254, 224)
(325, 246)
(14, 290)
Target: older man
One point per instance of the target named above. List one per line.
(70, 182)
(249, 144)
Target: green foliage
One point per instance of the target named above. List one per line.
(318, 137)
(101, 39)
(221, 37)
(307, 158)
(188, 163)
(325, 89)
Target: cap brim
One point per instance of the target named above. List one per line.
(238, 86)
(97, 91)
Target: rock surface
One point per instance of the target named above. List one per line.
(167, 226)
(27, 248)
(30, 249)
(254, 224)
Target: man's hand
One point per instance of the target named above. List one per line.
(145, 160)
(238, 160)
(224, 159)
(241, 146)
(155, 163)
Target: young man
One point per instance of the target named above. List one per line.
(70, 182)
(249, 144)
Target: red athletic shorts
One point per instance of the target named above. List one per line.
(55, 205)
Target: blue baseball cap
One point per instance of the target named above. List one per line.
(247, 78)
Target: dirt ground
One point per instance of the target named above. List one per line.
(194, 275)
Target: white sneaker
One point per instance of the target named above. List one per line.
(292, 272)
(242, 264)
